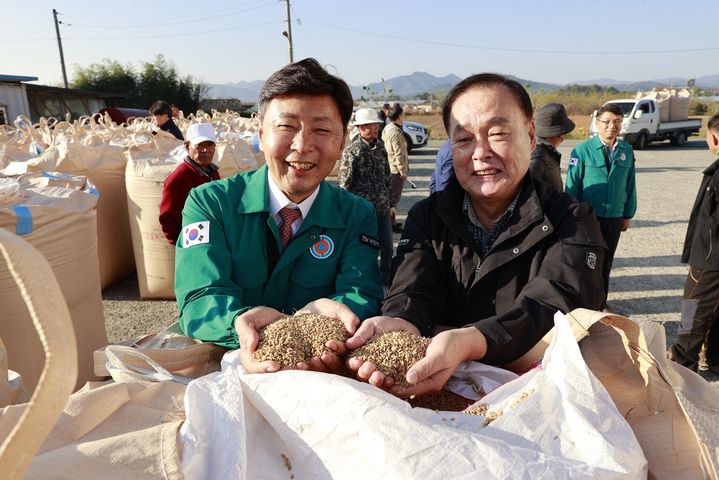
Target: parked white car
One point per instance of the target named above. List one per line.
(415, 133)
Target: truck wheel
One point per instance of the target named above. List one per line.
(679, 139)
(641, 142)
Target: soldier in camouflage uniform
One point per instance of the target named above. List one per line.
(364, 171)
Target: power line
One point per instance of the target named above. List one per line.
(515, 50)
(135, 20)
(299, 24)
(145, 37)
(184, 22)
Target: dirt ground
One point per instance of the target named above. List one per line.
(647, 280)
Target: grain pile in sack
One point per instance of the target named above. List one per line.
(557, 422)
(83, 152)
(148, 165)
(55, 213)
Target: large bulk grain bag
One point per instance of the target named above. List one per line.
(662, 99)
(234, 155)
(56, 214)
(679, 105)
(104, 164)
(147, 168)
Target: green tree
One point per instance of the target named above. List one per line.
(108, 77)
(157, 80)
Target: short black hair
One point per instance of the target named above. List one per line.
(307, 77)
(611, 108)
(486, 80)
(161, 107)
(713, 123)
(395, 112)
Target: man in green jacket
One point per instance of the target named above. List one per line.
(601, 172)
(267, 243)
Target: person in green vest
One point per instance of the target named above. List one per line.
(280, 239)
(601, 172)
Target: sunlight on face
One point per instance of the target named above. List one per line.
(302, 137)
(492, 142)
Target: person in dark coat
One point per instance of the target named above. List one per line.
(701, 251)
(161, 111)
(553, 125)
(484, 265)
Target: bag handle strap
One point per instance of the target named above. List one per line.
(51, 318)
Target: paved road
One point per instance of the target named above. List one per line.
(647, 280)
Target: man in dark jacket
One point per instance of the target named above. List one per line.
(701, 252)
(552, 126)
(485, 264)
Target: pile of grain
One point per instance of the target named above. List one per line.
(393, 353)
(298, 338)
(444, 400)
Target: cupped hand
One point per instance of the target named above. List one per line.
(330, 361)
(444, 354)
(367, 371)
(247, 326)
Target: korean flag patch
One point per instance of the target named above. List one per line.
(196, 234)
(573, 161)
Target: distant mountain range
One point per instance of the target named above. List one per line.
(407, 86)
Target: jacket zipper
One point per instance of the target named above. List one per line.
(710, 244)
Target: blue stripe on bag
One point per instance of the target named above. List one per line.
(24, 220)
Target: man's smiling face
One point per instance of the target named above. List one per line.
(302, 137)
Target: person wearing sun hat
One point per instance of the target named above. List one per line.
(364, 171)
(553, 125)
(196, 169)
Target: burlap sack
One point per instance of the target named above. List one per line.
(111, 431)
(673, 411)
(87, 154)
(12, 388)
(24, 432)
(679, 105)
(148, 166)
(55, 213)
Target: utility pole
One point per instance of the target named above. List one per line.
(59, 45)
(288, 33)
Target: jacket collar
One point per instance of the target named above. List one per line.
(711, 168)
(256, 198)
(528, 212)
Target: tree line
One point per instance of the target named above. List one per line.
(139, 88)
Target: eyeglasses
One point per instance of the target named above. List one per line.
(616, 123)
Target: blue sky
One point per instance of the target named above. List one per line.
(228, 41)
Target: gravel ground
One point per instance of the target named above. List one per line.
(647, 280)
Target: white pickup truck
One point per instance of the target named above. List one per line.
(642, 125)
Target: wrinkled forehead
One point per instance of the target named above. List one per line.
(490, 105)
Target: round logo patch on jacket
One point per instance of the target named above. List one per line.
(323, 248)
(591, 260)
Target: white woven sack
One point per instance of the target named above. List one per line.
(557, 422)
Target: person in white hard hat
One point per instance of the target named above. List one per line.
(196, 169)
(364, 171)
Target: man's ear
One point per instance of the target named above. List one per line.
(532, 130)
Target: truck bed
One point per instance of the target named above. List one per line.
(683, 124)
